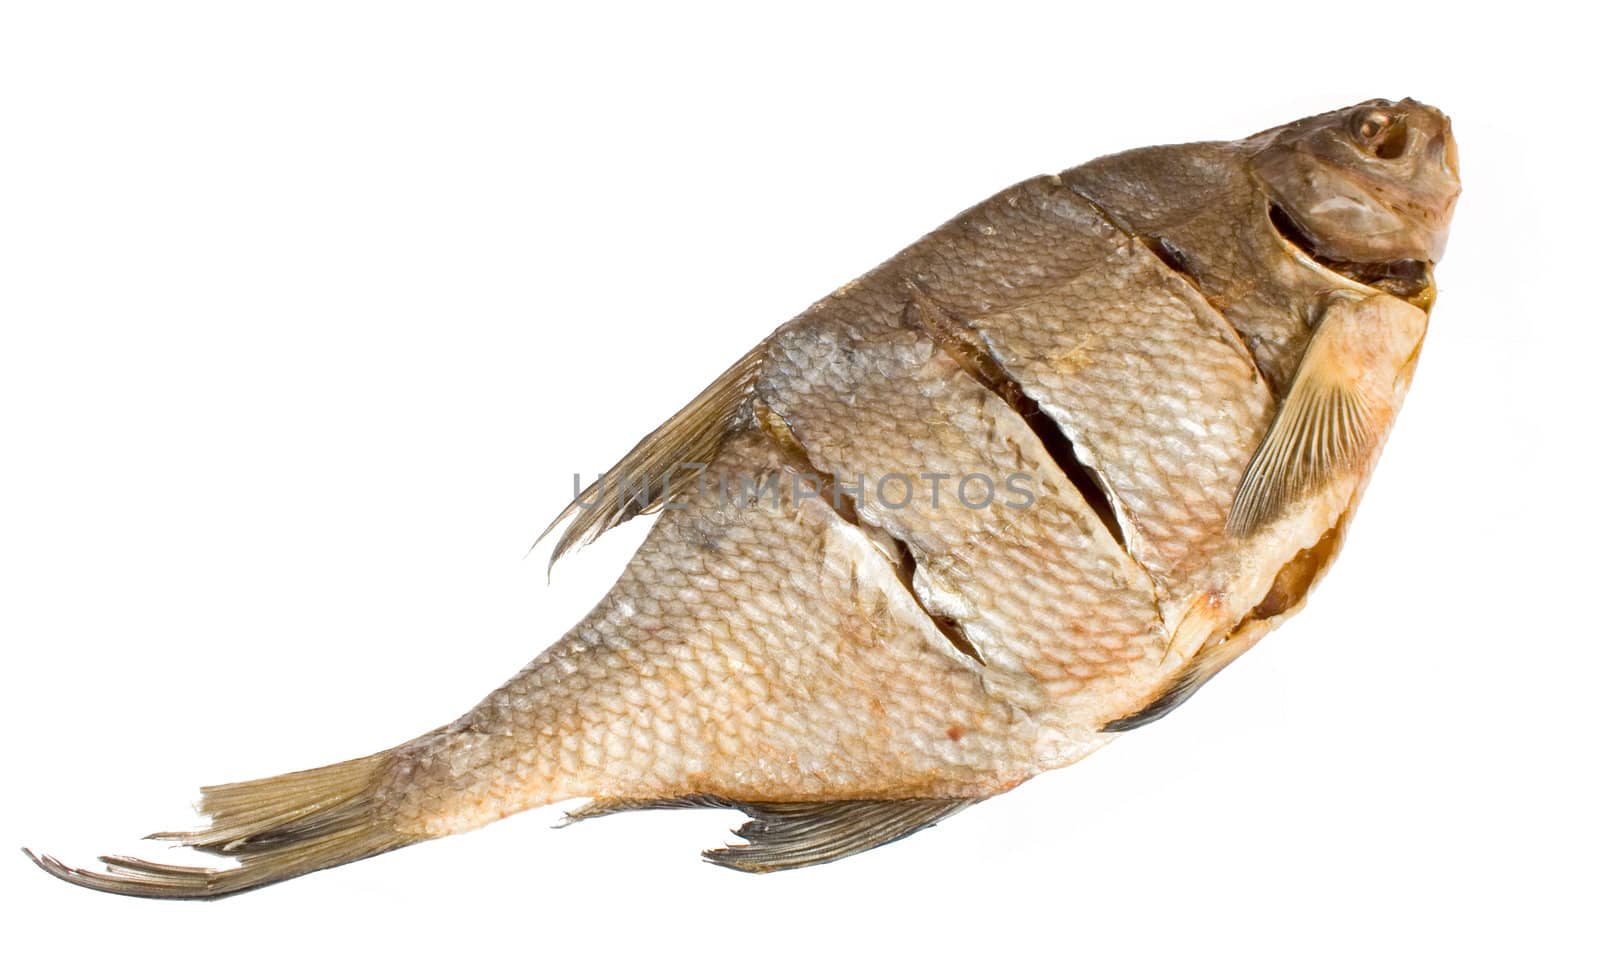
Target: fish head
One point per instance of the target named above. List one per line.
(1367, 190)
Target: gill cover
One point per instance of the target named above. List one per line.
(1373, 183)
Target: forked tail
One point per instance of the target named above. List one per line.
(275, 828)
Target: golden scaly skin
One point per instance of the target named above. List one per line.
(1124, 336)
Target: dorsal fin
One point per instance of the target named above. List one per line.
(663, 464)
(1324, 427)
(781, 836)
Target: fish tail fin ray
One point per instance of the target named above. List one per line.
(275, 828)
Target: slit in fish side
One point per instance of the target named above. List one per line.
(959, 342)
(902, 557)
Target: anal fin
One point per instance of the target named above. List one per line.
(781, 836)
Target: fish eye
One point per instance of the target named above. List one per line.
(1380, 133)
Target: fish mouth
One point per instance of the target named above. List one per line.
(1409, 280)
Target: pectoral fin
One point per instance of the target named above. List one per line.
(1325, 427)
(780, 836)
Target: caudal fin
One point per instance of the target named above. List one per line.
(275, 828)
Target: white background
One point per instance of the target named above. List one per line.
(310, 312)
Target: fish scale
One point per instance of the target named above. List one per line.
(866, 712)
(1171, 449)
(1059, 599)
(1192, 354)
